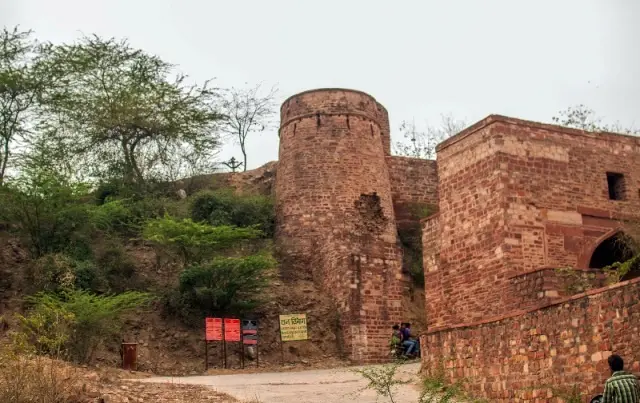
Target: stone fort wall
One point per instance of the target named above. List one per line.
(335, 214)
(516, 197)
(529, 357)
(517, 201)
(338, 196)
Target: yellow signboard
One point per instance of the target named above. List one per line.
(293, 327)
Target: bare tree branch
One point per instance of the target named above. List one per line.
(246, 111)
(421, 143)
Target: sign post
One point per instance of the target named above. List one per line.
(212, 332)
(293, 327)
(230, 330)
(231, 334)
(250, 338)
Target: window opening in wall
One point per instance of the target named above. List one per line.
(617, 188)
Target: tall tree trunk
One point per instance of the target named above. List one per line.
(5, 159)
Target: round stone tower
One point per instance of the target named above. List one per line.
(332, 151)
(334, 213)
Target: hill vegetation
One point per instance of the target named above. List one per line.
(114, 224)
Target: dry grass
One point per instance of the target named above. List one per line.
(36, 379)
(33, 379)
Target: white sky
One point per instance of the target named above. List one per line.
(469, 58)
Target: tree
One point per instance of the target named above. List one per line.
(47, 208)
(422, 143)
(121, 110)
(19, 89)
(247, 111)
(584, 118)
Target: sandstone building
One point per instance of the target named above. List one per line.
(516, 200)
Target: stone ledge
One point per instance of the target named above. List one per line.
(545, 268)
(328, 89)
(517, 313)
(491, 119)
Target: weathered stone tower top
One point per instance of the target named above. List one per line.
(337, 102)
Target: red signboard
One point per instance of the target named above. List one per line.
(232, 330)
(213, 329)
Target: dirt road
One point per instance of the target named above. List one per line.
(318, 386)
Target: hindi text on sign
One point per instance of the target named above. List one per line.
(293, 327)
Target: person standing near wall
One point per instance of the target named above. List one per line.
(622, 386)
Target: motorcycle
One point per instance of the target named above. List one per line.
(596, 399)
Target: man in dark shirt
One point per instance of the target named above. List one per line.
(409, 345)
(621, 387)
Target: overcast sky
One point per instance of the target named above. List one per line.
(469, 58)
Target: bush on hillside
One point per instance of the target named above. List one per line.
(126, 217)
(52, 273)
(115, 216)
(48, 213)
(91, 320)
(118, 268)
(224, 207)
(192, 241)
(89, 277)
(225, 285)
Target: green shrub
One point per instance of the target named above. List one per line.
(49, 214)
(117, 268)
(224, 207)
(114, 216)
(93, 319)
(382, 380)
(193, 241)
(89, 277)
(225, 285)
(126, 217)
(45, 330)
(53, 272)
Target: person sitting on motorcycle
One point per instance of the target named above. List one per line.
(621, 387)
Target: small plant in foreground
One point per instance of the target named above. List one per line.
(573, 395)
(26, 376)
(436, 389)
(382, 379)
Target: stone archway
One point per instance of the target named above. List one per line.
(615, 247)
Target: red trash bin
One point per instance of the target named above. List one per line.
(129, 356)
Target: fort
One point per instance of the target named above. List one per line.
(516, 201)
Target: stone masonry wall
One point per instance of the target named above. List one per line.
(524, 357)
(558, 205)
(414, 181)
(462, 286)
(334, 212)
(431, 259)
(517, 196)
(547, 285)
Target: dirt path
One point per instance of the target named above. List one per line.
(318, 386)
